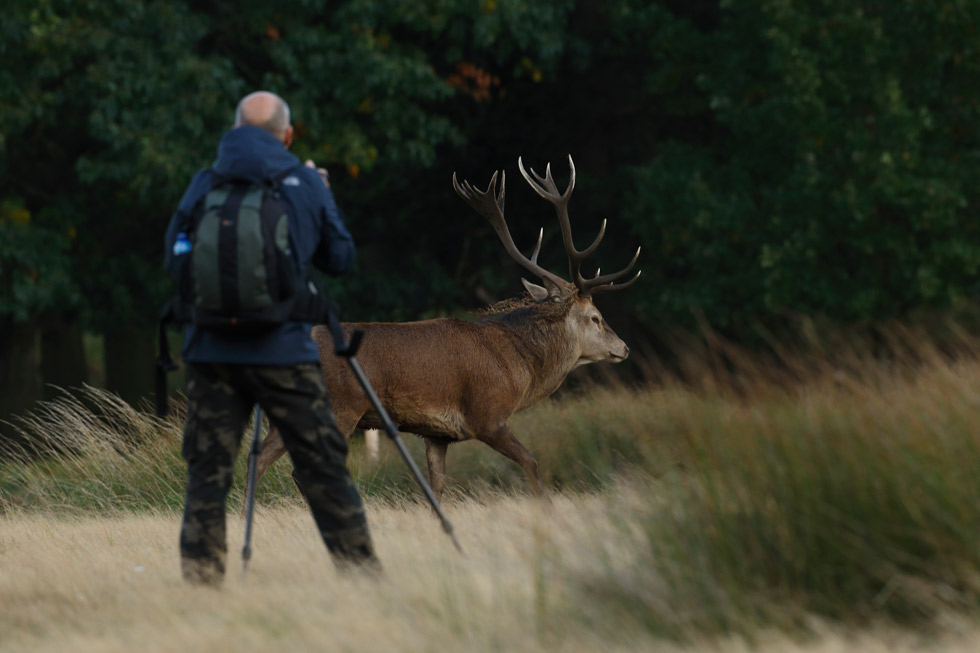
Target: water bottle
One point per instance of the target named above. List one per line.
(183, 244)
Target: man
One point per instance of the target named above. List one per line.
(279, 369)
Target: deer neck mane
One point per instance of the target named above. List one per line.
(539, 335)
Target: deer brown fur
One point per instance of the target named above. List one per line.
(449, 380)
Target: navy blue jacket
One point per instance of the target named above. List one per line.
(316, 230)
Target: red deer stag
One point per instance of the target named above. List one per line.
(449, 380)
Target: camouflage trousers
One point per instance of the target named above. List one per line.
(294, 397)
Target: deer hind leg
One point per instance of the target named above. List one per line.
(503, 441)
(346, 422)
(435, 456)
(272, 450)
(372, 443)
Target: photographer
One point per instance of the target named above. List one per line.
(279, 367)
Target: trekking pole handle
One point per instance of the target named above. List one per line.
(355, 343)
(340, 345)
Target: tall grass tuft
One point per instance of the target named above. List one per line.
(852, 497)
(93, 452)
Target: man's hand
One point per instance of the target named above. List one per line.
(324, 175)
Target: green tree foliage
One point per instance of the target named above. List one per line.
(109, 107)
(33, 275)
(839, 173)
(99, 129)
(392, 97)
(773, 157)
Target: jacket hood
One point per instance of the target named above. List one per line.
(252, 153)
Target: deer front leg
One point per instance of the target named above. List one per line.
(503, 441)
(435, 456)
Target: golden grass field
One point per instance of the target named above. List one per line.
(112, 584)
(825, 504)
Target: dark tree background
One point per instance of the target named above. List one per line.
(774, 159)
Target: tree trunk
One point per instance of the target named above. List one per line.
(20, 380)
(62, 355)
(130, 355)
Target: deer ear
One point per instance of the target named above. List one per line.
(537, 293)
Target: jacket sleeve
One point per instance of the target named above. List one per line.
(335, 250)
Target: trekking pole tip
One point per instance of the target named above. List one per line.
(446, 526)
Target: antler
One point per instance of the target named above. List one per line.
(492, 209)
(546, 188)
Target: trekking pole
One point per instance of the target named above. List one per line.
(253, 460)
(347, 350)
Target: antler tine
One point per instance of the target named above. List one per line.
(595, 243)
(537, 248)
(606, 280)
(543, 186)
(472, 195)
(546, 188)
(492, 210)
(617, 286)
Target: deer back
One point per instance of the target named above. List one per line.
(435, 377)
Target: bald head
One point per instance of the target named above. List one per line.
(267, 111)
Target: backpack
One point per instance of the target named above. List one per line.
(235, 267)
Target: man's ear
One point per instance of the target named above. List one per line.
(287, 136)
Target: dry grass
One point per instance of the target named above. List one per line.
(831, 498)
(112, 584)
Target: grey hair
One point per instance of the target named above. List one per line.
(277, 122)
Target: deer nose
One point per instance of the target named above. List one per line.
(623, 355)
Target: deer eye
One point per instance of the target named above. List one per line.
(595, 319)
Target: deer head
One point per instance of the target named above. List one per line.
(587, 329)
